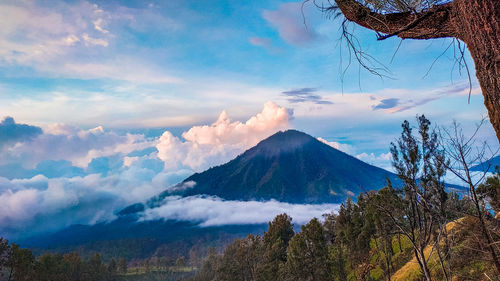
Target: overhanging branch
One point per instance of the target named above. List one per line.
(433, 23)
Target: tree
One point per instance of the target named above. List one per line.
(122, 266)
(463, 153)
(275, 242)
(334, 239)
(96, 268)
(475, 22)
(50, 267)
(353, 233)
(209, 266)
(490, 191)
(21, 263)
(419, 163)
(75, 266)
(4, 254)
(112, 268)
(307, 258)
(241, 260)
(383, 231)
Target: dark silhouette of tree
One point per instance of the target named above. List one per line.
(275, 242)
(307, 258)
(475, 22)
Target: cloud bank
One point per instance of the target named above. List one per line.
(211, 211)
(10, 131)
(61, 175)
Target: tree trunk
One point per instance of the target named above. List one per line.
(478, 25)
(475, 22)
(422, 262)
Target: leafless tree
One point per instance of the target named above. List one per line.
(464, 152)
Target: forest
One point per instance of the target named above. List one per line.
(419, 231)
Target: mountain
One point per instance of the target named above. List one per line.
(292, 167)
(487, 166)
(288, 166)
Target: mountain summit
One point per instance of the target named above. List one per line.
(289, 166)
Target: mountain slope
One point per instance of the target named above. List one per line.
(289, 166)
(487, 166)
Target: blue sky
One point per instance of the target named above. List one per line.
(128, 95)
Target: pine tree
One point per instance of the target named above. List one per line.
(489, 191)
(419, 163)
(307, 258)
(275, 243)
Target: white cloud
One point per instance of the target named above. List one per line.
(379, 105)
(121, 69)
(53, 40)
(383, 160)
(94, 41)
(205, 146)
(349, 149)
(71, 40)
(371, 157)
(40, 204)
(36, 35)
(99, 25)
(63, 142)
(211, 210)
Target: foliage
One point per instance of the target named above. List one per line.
(490, 191)
(275, 243)
(307, 254)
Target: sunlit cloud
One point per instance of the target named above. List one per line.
(208, 145)
(349, 149)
